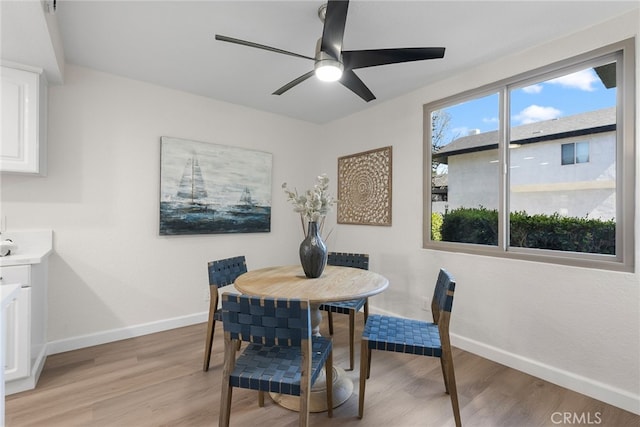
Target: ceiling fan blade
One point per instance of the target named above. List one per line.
(259, 46)
(293, 83)
(355, 85)
(354, 59)
(333, 31)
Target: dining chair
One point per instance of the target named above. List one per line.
(415, 337)
(222, 274)
(350, 307)
(282, 355)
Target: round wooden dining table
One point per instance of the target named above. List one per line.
(335, 284)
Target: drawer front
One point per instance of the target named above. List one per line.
(15, 274)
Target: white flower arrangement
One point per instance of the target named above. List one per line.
(313, 205)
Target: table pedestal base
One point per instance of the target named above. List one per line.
(342, 390)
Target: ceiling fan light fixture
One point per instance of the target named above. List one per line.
(328, 70)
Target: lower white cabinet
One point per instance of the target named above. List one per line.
(24, 326)
(17, 324)
(8, 294)
(18, 336)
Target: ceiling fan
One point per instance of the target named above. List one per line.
(331, 63)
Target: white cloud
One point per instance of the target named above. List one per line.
(490, 120)
(582, 80)
(532, 89)
(535, 113)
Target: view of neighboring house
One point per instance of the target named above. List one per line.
(565, 165)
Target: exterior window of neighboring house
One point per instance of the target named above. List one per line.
(496, 186)
(575, 152)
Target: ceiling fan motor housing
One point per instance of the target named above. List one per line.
(327, 68)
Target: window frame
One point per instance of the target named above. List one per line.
(574, 153)
(624, 54)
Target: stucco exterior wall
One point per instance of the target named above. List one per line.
(539, 183)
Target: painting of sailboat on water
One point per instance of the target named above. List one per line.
(209, 188)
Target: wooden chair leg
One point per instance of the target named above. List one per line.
(364, 363)
(330, 318)
(227, 390)
(261, 398)
(305, 381)
(211, 327)
(328, 366)
(225, 405)
(444, 374)
(366, 310)
(352, 333)
(451, 380)
(305, 398)
(368, 363)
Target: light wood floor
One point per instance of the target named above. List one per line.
(157, 380)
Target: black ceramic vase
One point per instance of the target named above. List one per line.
(313, 252)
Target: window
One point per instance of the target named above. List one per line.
(469, 172)
(497, 186)
(573, 153)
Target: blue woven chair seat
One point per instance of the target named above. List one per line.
(402, 335)
(275, 368)
(343, 307)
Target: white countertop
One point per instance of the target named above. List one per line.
(33, 247)
(35, 257)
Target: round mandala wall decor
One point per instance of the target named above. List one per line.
(364, 188)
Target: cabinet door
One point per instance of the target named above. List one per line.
(17, 360)
(17, 324)
(20, 143)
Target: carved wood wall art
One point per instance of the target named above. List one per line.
(364, 188)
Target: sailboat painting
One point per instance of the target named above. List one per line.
(209, 188)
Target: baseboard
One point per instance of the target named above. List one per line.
(595, 389)
(112, 335)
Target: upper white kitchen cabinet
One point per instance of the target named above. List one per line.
(23, 147)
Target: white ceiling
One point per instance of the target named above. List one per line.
(171, 43)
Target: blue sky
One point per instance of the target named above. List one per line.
(568, 95)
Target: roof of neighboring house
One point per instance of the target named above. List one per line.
(441, 180)
(564, 127)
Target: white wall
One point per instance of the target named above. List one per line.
(110, 269)
(111, 272)
(474, 180)
(539, 183)
(574, 326)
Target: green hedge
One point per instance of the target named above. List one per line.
(471, 226)
(436, 226)
(480, 226)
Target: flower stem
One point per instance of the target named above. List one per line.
(304, 230)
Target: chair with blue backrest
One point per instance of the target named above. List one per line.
(415, 337)
(222, 274)
(347, 307)
(282, 356)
